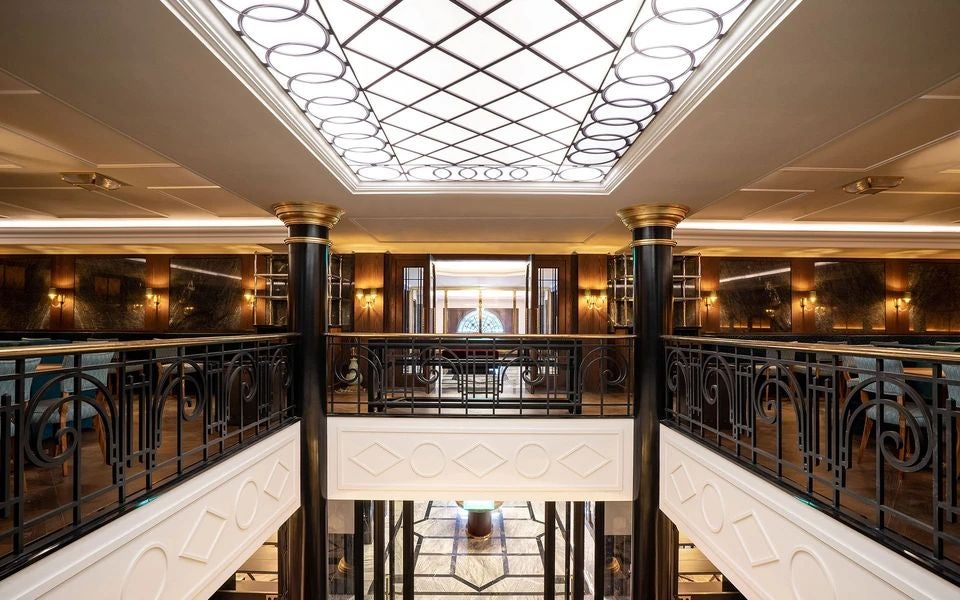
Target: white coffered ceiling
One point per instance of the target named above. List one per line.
(764, 137)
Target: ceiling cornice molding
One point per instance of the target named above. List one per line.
(758, 22)
(205, 23)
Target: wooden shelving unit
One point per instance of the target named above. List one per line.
(270, 274)
(686, 291)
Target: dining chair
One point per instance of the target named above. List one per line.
(952, 372)
(8, 389)
(891, 390)
(90, 390)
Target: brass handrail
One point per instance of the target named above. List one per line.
(26, 351)
(842, 349)
(482, 336)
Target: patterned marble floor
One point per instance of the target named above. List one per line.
(509, 564)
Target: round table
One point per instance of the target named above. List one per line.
(479, 521)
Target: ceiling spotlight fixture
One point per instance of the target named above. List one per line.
(873, 184)
(91, 180)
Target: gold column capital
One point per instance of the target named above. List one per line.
(653, 215)
(307, 213)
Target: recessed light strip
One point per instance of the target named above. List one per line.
(230, 222)
(765, 226)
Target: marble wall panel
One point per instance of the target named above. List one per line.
(24, 287)
(754, 295)
(206, 294)
(110, 292)
(850, 296)
(934, 297)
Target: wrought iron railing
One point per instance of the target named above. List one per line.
(868, 434)
(499, 375)
(90, 430)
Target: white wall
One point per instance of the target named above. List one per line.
(186, 542)
(425, 458)
(771, 544)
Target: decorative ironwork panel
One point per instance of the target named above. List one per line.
(869, 434)
(480, 375)
(90, 430)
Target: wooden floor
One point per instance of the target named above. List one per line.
(49, 505)
(908, 497)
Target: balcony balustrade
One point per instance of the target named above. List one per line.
(869, 435)
(91, 430)
(480, 375)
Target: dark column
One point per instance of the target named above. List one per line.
(309, 247)
(652, 227)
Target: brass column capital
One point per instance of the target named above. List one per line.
(653, 215)
(308, 213)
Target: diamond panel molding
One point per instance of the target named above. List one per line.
(772, 545)
(478, 90)
(510, 459)
(185, 542)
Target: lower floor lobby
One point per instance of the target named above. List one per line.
(452, 561)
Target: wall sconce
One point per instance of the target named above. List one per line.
(708, 301)
(594, 298)
(367, 297)
(57, 299)
(808, 301)
(153, 298)
(249, 297)
(903, 302)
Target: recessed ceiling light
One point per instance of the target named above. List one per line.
(88, 180)
(873, 184)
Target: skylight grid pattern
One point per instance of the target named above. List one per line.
(481, 90)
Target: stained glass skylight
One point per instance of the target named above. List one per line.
(481, 90)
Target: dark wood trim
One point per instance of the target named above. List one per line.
(549, 550)
(359, 510)
(368, 273)
(379, 545)
(408, 550)
(599, 551)
(578, 554)
(393, 288)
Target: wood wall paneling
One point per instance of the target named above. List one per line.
(158, 278)
(62, 278)
(567, 290)
(802, 282)
(897, 283)
(369, 274)
(710, 284)
(591, 275)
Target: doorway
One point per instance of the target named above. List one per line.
(481, 296)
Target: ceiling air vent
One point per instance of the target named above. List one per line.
(872, 185)
(91, 180)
